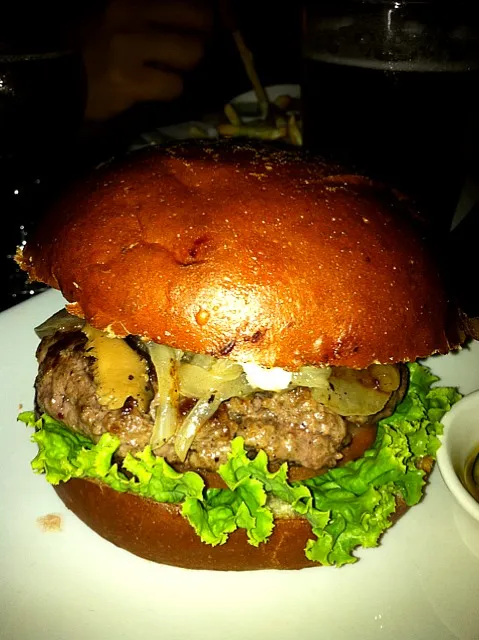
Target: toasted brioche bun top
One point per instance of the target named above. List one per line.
(247, 252)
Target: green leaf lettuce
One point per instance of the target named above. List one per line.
(347, 507)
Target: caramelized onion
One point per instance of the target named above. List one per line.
(204, 409)
(59, 321)
(314, 377)
(358, 392)
(164, 406)
(200, 378)
(211, 381)
(388, 376)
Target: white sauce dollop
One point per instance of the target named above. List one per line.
(274, 379)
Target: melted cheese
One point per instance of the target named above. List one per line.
(118, 370)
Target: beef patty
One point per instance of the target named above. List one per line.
(289, 425)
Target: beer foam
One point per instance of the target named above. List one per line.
(28, 57)
(415, 65)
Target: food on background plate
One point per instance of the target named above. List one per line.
(233, 384)
(282, 122)
(272, 120)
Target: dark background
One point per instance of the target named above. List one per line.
(44, 141)
(41, 161)
(272, 32)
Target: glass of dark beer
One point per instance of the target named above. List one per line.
(389, 88)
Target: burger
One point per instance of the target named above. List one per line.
(234, 381)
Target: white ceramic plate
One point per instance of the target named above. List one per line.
(421, 583)
(273, 92)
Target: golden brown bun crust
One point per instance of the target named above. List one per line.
(245, 251)
(158, 532)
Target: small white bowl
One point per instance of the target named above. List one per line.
(461, 437)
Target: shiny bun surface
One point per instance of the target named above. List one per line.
(246, 252)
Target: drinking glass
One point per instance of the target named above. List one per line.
(389, 88)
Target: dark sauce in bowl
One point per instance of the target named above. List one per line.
(471, 473)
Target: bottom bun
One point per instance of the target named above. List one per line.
(158, 532)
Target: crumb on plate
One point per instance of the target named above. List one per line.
(52, 522)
